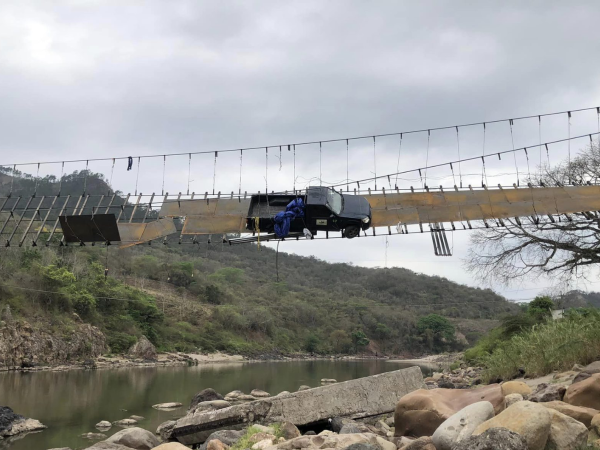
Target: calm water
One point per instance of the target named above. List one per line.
(71, 403)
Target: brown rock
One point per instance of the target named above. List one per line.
(594, 428)
(547, 393)
(289, 431)
(512, 398)
(530, 420)
(515, 387)
(171, 446)
(216, 444)
(565, 376)
(259, 394)
(585, 393)
(566, 433)
(421, 412)
(135, 438)
(580, 413)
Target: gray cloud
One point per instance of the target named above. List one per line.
(89, 79)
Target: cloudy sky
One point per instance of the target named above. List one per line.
(90, 79)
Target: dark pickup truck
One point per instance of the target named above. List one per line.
(324, 209)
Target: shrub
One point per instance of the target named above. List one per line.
(547, 347)
(120, 342)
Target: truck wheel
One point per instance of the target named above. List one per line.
(352, 231)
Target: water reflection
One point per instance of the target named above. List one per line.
(71, 403)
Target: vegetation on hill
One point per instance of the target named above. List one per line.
(534, 343)
(218, 297)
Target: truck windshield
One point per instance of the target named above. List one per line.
(334, 201)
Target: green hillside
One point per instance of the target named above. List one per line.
(220, 297)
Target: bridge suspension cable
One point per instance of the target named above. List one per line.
(322, 141)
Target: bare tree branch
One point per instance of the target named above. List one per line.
(563, 246)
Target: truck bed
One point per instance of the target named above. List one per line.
(261, 207)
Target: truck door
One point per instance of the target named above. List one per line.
(321, 217)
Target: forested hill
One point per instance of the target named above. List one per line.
(220, 297)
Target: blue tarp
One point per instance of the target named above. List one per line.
(283, 219)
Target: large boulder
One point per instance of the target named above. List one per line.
(461, 425)
(135, 438)
(530, 420)
(12, 424)
(515, 387)
(421, 412)
(493, 439)
(585, 393)
(580, 413)
(143, 349)
(206, 395)
(227, 437)
(547, 393)
(566, 433)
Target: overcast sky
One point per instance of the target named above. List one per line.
(88, 79)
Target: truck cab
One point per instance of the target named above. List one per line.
(324, 209)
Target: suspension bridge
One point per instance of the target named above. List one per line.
(37, 210)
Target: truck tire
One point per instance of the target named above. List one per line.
(352, 231)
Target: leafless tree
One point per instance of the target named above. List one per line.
(562, 247)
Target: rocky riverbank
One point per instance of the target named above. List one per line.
(141, 354)
(559, 411)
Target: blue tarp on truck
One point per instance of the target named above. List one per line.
(282, 220)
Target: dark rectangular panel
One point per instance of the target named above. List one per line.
(88, 228)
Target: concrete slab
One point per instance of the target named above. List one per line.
(363, 397)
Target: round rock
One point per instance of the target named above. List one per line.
(104, 425)
(259, 394)
(515, 387)
(530, 420)
(511, 399)
(136, 438)
(461, 425)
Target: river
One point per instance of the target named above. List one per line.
(71, 403)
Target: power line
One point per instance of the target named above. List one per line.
(164, 155)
